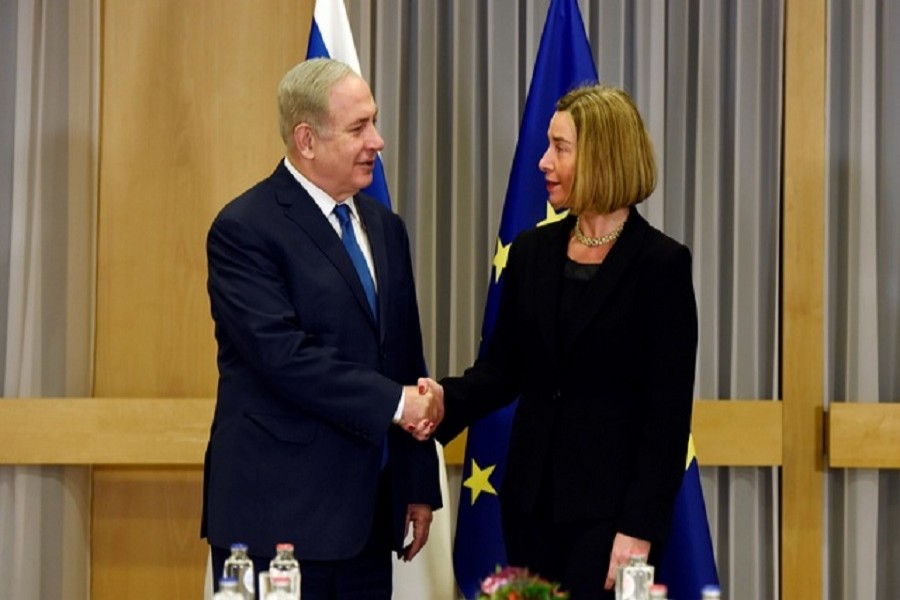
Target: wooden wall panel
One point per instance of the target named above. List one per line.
(173, 432)
(803, 299)
(145, 533)
(863, 435)
(188, 121)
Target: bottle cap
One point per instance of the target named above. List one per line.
(637, 558)
(659, 587)
(238, 546)
(284, 546)
(228, 583)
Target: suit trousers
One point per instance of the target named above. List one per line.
(366, 576)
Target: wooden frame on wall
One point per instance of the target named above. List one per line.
(154, 364)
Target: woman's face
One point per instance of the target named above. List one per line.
(558, 162)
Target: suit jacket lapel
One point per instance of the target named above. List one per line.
(617, 262)
(548, 283)
(371, 221)
(300, 208)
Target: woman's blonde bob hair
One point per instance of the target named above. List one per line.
(615, 164)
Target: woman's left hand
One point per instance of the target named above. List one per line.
(624, 547)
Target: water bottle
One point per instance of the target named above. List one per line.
(711, 592)
(238, 566)
(228, 590)
(281, 589)
(633, 581)
(658, 591)
(285, 565)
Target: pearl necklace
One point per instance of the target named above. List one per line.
(593, 242)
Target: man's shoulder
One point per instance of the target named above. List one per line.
(255, 199)
(369, 206)
(366, 202)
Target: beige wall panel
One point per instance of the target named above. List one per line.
(145, 534)
(188, 121)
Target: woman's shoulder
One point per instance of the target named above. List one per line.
(657, 241)
(543, 233)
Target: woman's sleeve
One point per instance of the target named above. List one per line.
(492, 382)
(670, 367)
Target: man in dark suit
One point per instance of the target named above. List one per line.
(317, 326)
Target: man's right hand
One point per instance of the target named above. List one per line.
(423, 408)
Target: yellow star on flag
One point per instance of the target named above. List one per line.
(500, 258)
(502, 254)
(552, 216)
(691, 451)
(479, 481)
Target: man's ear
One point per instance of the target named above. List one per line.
(304, 140)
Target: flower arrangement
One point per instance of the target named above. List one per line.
(516, 583)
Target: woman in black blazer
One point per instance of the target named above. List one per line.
(597, 336)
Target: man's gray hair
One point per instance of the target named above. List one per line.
(303, 95)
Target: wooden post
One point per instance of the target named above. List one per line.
(803, 299)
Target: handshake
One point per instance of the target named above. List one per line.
(423, 408)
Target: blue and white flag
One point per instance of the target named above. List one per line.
(428, 575)
(564, 60)
(330, 37)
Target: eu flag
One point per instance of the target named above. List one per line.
(563, 61)
(688, 563)
(331, 37)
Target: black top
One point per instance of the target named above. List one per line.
(576, 278)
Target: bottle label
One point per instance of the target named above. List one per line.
(293, 574)
(633, 582)
(242, 571)
(248, 583)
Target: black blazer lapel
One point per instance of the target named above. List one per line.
(300, 208)
(549, 268)
(617, 262)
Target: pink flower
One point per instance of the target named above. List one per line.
(491, 584)
(516, 583)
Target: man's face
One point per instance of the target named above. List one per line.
(345, 150)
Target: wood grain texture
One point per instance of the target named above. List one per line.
(174, 431)
(145, 535)
(104, 431)
(189, 120)
(863, 435)
(803, 295)
(737, 433)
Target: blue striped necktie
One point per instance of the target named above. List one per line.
(342, 211)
